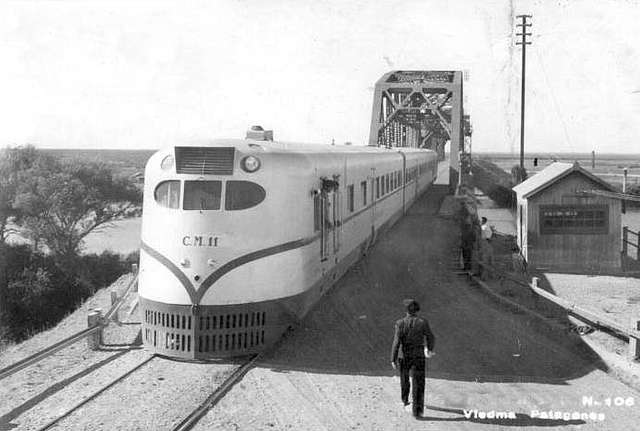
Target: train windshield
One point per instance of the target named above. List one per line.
(240, 195)
(202, 195)
(167, 194)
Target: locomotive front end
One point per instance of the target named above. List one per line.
(205, 282)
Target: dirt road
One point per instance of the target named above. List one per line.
(333, 372)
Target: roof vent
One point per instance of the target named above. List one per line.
(257, 133)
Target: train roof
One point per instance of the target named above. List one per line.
(288, 147)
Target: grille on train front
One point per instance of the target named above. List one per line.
(204, 160)
(215, 331)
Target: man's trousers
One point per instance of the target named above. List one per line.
(414, 368)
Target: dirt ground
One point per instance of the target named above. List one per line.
(616, 298)
(333, 372)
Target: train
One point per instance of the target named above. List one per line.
(241, 237)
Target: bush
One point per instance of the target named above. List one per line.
(101, 270)
(494, 182)
(40, 293)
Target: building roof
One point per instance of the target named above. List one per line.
(551, 174)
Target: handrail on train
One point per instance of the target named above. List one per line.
(48, 351)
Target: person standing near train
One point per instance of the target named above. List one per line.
(486, 250)
(412, 333)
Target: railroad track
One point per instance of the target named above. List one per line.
(189, 421)
(93, 396)
(192, 419)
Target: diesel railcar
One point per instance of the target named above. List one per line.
(240, 238)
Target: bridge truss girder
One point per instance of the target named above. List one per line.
(421, 109)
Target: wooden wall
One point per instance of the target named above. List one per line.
(576, 252)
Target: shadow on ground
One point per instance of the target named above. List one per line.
(350, 330)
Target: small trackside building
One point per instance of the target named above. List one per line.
(559, 227)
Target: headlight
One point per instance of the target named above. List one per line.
(167, 163)
(250, 164)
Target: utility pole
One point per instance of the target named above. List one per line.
(524, 42)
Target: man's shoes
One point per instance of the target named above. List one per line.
(418, 415)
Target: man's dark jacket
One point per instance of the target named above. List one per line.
(410, 332)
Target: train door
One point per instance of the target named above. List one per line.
(328, 208)
(336, 219)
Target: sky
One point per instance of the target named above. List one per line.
(146, 74)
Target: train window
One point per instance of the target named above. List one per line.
(202, 195)
(240, 195)
(350, 197)
(363, 187)
(167, 194)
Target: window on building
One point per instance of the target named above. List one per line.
(167, 194)
(240, 195)
(377, 187)
(574, 219)
(350, 197)
(202, 195)
(363, 189)
(388, 184)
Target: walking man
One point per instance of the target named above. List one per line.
(411, 332)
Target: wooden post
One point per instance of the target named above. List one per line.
(534, 283)
(93, 319)
(625, 237)
(634, 345)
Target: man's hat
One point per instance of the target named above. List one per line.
(412, 305)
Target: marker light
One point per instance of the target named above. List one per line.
(167, 163)
(250, 164)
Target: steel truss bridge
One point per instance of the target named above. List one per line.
(423, 109)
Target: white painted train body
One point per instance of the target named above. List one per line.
(241, 237)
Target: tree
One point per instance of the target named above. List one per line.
(62, 202)
(12, 162)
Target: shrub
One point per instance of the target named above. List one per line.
(494, 182)
(40, 292)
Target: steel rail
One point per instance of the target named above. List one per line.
(190, 421)
(95, 394)
(42, 354)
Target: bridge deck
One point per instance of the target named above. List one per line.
(333, 372)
